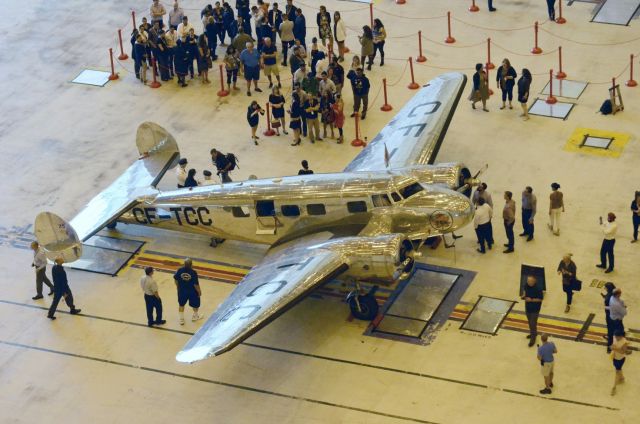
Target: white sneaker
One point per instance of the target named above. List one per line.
(196, 317)
(181, 321)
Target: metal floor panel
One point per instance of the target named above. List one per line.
(559, 110)
(616, 12)
(123, 245)
(487, 315)
(92, 77)
(102, 261)
(565, 88)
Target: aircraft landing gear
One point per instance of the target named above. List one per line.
(363, 306)
(216, 241)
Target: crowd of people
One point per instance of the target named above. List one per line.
(178, 50)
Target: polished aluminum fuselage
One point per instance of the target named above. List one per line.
(271, 211)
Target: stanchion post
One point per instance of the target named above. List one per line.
(357, 142)
(631, 82)
(560, 19)
(269, 131)
(386, 107)
(421, 57)
(490, 65)
(486, 68)
(371, 14)
(133, 19)
(473, 7)
(154, 82)
(222, 92)
(560, 74)
(551, 100)
(413, 85)
(536, 49)
(113, 75)
(401, 1)
(123, 55)
(449, 39)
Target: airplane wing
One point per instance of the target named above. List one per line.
(415, 134)
(268, 290)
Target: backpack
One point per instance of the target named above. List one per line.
(606, 107)
(233, 160)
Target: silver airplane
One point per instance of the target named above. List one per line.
(365, 223)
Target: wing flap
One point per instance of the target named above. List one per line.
(267, 291)
(415, 134)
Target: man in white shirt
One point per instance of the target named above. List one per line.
(482, 224)
(40, 264)
(157, 11)
(184, 28)
(326, 85)
(151, 298)
(609, 229)
(300, 74)
(181, 172)
(175, 16)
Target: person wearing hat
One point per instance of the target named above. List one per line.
(151, 298)
(60, 289)
(360, 86)
(556, 207)
(609, 230)
(207, 177)
(181, 172)
(40, 264)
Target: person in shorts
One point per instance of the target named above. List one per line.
(270, 60)
(619, 352)
(250, 59)
(186, 280)
(545, 356)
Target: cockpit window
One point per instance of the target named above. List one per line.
(410, 190)
(395, 196)
(380, 200)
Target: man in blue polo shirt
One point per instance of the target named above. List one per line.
(269, 58)
(186, 280)
(250, 59)
(545, 356)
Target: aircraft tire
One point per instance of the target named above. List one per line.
(368, 307)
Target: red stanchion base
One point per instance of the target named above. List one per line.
(401, 1)
(346, 49)
(561, 20)
(561, 75)
(631, 83)
(123, 56)
(113, 77)
(356, 142)
(536, 50)
(491, 66)
(386, 107)
(474, 8)
(551, 100)
(155, 84)
(450, 40)
(269, 133)
(421, 59)
(413, 86)
(223, 93)
(490, 92)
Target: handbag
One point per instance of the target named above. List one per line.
(576, 285)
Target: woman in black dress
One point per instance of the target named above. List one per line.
(567, 268)
(253, 117)
(191, 181)
(276, 100)
(523, 92)
(295, 114)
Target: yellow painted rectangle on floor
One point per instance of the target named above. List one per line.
(620, 140)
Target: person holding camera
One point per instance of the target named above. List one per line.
(222, 164)
(253, 117)
(609, 229)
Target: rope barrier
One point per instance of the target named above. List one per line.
(466, 46)
(585, 43)
(495, 29)
(404, 70)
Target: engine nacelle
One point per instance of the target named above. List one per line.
(450, 175)
(386, 258)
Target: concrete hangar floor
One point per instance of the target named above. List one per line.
(62, 143)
